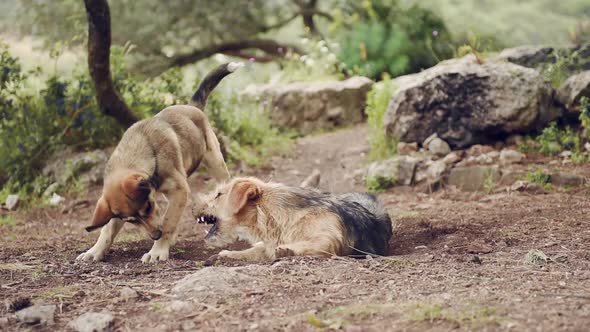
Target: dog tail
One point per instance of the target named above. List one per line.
(212, 79)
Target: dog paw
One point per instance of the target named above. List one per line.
(155, 255)
(91, 255)
(283, 252)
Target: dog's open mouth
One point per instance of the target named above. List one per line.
(209, 219)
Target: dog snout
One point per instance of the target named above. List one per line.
(156, 235)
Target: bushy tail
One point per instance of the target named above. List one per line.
(212, 79)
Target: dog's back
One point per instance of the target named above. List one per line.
(367, 223)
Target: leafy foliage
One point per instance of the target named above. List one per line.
(384, 36)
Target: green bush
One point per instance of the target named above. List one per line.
(34, 123)
(385, 37)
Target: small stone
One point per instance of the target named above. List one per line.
(476, 259)
(178, 306)
(528, 187)
(188, 325)
(436, 169)
(587, 146)
(51, 189)
(37, 314)
(420, 247)
(438, 147)
(566, 154)
(515, 140)
(406, 148)
(127, 293)
(12, 202)
(451, 158)
(509, 157)
(56, 200)
(92, 322)
(477, 150)
(564, 179)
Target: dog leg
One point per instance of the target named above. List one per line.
(177, 190)
(258, 252)
(316, 247)
(106, 238)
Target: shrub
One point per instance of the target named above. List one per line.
(377, 103)
(386, 37)
(35, 123)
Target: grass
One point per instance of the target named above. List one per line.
(62, 292)
(379, 183)
(540, 178)
(128, 237)
(473, 315)
(8, 221)
(489, 183)
(378, 99)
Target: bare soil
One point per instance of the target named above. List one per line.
(457, 262)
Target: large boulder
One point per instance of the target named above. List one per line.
(528, 56)
(574, 88)
(466, 103)
(309, 106)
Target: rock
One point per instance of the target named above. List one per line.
(574, 88)
(178, 306)
(37, 314)
(485, 159)
(515, 140)
(451, 158)
(567, 154)
(11, 202)
(466, 103)
(92, 322)
(473, 178)
(436, 146)
(218, 283)
(67, 165)
(188, 325)
(312, 181)
(478, 150)
(563, 179)
(528, 187)
(587, 147)
(528, 56)
(127, 293)
(436, 170)
(510, 176)
(398, 170)
(56, 200)
(406, 148)
(309, 106)
(509, 157)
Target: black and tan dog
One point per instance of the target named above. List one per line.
(158, 155)
(281, 221)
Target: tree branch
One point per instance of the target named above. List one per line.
(269, 46)
(99, 45)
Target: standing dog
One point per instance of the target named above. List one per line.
(158, 155)
(284, 221)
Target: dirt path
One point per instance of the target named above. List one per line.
(457, 262)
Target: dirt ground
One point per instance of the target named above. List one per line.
(457, 262)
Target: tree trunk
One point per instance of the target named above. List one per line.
(99, 45)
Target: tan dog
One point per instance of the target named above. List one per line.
(158, 155)
(291, 221)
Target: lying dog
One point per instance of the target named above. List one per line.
(158, 155)
(284, 221)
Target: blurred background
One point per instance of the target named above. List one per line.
(161, 49)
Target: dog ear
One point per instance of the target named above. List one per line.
(241, 193)
(137, 188)
(102, 215)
